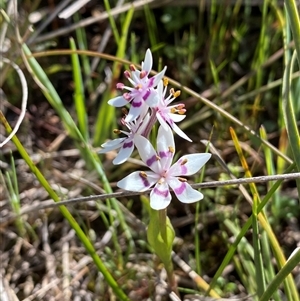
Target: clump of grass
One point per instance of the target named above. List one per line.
(235, 241)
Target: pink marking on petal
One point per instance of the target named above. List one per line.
(144, 180)
(170, 121)
(151, 82)
(163, 116)
(183, 167)
(163, 193)
(128, 144)
(136, 104)
(150, 161)
(180, 189)
(183, 170)
(146, 95)
(164, 154)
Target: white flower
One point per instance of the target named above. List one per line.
(168, 115)
(125, 144)
(142, 93)
(162, 174)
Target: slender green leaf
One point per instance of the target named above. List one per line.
(289, 115)
(281, 276)
(293, 13)
(79, 93)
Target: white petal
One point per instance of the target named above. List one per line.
(160, 196)
(135, 77)
(134, 112)
(118, 101)
(143, 124)
(160, 88)
(153, 99)
(159, 76)
(165, 146)
(147, 64)
(112, 144)
(179, 132)
(125, 152)
(194, 162)
(184, 192)
(162, 121)
(176, 117)
(136, 182)
(147, 153)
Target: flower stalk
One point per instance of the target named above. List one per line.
(149, 103)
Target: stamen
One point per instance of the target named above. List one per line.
(143, 74)
(183, 161)
(177, 93)
(182, 112)
(143, 174)
(127, 96)
(132, 67)
(182, 179)
(127, 74)
(120, 86)
(117, 131)
(171, 149)
(158, 157)
(172, 91)
(173, 110)
(166, 81)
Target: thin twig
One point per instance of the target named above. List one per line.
(48, 20)
(91, 20)
(241, 181)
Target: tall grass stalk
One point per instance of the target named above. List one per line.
(232, 249)
(12, 188)
(294, 20)
(106, 118)
(289, 284)
(289, 114)
(78, 96)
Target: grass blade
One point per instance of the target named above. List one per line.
(79, 93)
(279, 278)
(293, 14)
(259, 268)
(106, 118)
(289, 114)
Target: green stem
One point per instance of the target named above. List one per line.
(162, 216)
